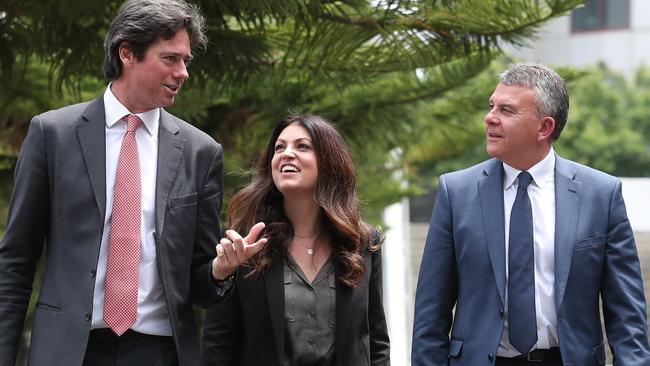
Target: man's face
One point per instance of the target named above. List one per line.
(156, 79)
(513, 125)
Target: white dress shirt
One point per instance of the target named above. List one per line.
(541, 192)
(152, 315)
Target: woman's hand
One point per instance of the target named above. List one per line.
(234, 250)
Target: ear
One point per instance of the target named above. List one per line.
(126, 55)
(546, 128)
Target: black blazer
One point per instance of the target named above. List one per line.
(247, 327)
(59, 197)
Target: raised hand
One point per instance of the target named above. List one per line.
(234, 250)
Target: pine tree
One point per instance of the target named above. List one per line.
(399, 78)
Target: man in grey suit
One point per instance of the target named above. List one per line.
(525, 245)
(126, 198)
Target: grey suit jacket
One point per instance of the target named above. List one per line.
(464, 266)
(59, 200)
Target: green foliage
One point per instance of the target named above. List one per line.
(390, 74)
(609, 122)
(402, 80)
(608, 126)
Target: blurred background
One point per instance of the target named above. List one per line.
(406, 82)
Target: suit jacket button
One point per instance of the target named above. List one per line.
(88, 317)
(490, 357)
(92, 273)
(501, 313)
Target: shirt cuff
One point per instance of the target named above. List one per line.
(223, 286)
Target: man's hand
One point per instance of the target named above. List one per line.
(234, 250)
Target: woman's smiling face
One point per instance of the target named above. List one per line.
(294, 165)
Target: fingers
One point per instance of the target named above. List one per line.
(234, 250)
(220, 250)
(257, 246)
(255, 232)
(226, 262)
(227, 249)
(242, 246)
(237, 248)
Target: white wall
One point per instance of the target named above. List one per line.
(636, 193)
(622, 50)
(398, 288)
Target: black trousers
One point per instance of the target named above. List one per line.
(131, 349)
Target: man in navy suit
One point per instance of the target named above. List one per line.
(525, 245)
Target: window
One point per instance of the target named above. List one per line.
(601, 15)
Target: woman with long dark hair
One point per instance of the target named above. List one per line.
(313, 294)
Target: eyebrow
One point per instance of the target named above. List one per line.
(504, 104)
(298, 139)
(177, 54)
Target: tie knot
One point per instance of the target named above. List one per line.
(132, 122)
(524, 179)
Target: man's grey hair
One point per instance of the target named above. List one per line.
(139, 23)
(552, 98)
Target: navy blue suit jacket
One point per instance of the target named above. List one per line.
(463, 266)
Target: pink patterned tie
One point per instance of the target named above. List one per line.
(121, 293)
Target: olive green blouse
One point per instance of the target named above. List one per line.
(310, 315)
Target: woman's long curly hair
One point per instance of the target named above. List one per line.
(335, 194)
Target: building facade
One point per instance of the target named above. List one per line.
(616, 32)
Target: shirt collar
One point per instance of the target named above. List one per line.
(541, 172)
(115, 111)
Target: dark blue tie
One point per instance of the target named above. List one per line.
(522, 324)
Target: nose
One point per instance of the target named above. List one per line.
(181, 71)
(490, 118)
(288, 152)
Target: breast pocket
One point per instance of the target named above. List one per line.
(180, 227)
(184, 201)
(594, 242)
(590, 251)
(588, 262)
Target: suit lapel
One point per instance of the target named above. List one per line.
(567, 207)
(490, 189)
(342, 310)
(275, 295)
(170, 150)
(92, 139)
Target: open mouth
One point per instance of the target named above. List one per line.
(289, 168)
(173, 88)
